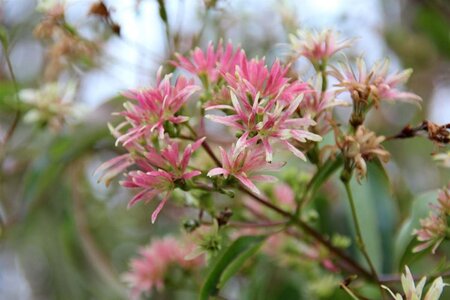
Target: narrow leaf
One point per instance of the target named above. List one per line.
(244, 246)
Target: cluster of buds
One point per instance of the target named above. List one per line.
(435, 228)
(149, 270)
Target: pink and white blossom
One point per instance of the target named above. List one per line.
(318, 46)
(159, 173)
(152, 108)
(245, 164)
(211, 63)
(374, 84)
(253, 77)
(268, 122)
(149, 270)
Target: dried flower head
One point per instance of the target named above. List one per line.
(364, 146)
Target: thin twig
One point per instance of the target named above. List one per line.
(95, 256)
(359, 239)
(314, 234)
(16, 120)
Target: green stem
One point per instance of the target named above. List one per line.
(322, 174)
(16, 120)
(323, 72)
(359, 239)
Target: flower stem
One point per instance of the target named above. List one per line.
(16, 120)
(359, 239)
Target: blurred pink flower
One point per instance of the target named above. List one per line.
(434, 228)
(154, 107)
(211, 63)
(160, 173)
(431, 234)
(317, 46)
(444, 200)
(268, 122)
(154, 262)
(284, 194)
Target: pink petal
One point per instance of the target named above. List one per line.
(248, 184)
(160, 206)
(264, 178)
(295, 151)
(217, 171)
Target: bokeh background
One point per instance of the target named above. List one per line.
(64, 236)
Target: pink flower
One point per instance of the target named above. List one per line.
(317, 102)
(434, 228)
(284, 194)
(154, 108)
(155, 261)
(374, 84)
(211, 63)
(243, 162)
(253, 77)
(432, 232)
(317, 46)
(160, 173)
(268, 122)
(444, 200)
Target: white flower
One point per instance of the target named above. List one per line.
(413, 292)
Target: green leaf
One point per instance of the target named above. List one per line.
(375, 209)
(325, 172)
(235, 266)
(45, 172)
(229, 262)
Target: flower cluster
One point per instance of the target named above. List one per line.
(259, 102)
(150, 269)
(434, 228)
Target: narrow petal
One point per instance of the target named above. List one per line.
(160, 206)
(217, 171)
(248, 184)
